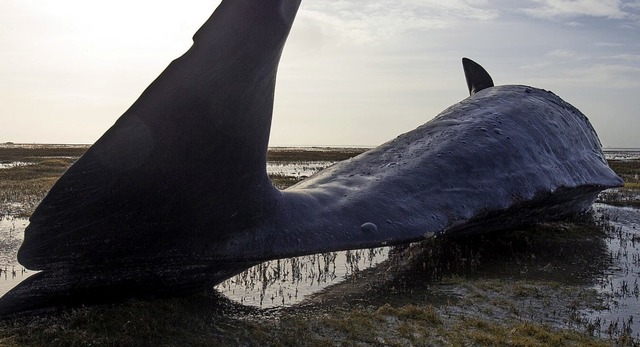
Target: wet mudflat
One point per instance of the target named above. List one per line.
(567, 283)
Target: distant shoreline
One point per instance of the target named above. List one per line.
(621, 149)
(279, 147)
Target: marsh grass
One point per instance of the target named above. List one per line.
(510, 289)
(28, 153)
(629, 196)
(283, 181)
(195, 320)
(312, 154)
(629, 170)
(22, 187)
(477, 332)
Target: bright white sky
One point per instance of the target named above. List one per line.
(354, 72)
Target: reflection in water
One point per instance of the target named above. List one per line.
(286, 282)
(530, 254)
(14, 164)
(619, 284)
(11, 236)
(601, 249)
(622, 153)
(299, 169)
(570, 254)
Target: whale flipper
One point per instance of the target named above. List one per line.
(477, 77)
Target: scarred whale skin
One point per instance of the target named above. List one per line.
(175, 196)
(504, 158)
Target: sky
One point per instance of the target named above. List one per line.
(354, 72)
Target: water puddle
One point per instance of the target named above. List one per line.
(532, 259)
(619, 285)
(11, 236)
(14, 164)
(287, 282)
(622, 153)
(297, 169)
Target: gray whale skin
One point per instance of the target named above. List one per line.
(175, 198)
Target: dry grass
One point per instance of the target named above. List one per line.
(629, 170)
(315, 154)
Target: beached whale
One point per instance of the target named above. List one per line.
(175, 196)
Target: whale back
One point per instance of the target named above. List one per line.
(506, 157)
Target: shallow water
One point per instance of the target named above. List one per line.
(287, 282)
(296, 169)
(11, 236)
(14, 164)
(611, 265)
(622, 153)
(619, 285)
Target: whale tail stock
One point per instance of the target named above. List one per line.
(195, 140)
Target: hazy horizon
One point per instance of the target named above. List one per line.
(605, 148)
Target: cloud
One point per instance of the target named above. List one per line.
(609, 44)
(626, 57)
(366, 21)
(613, 9)
(562, 53)
(595, 69)
(556, 58)
(592, 77)
(632, 4)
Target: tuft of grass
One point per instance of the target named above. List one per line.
(281, 181)
(478, 332)
(632, 185)
(629, 170)
(627, 195)
(426, 315)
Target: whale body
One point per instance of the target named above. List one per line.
(175, 196)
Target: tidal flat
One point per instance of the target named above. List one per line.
(569, 283)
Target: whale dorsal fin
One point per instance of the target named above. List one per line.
(477, 77)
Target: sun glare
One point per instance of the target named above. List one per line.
(123, 25)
